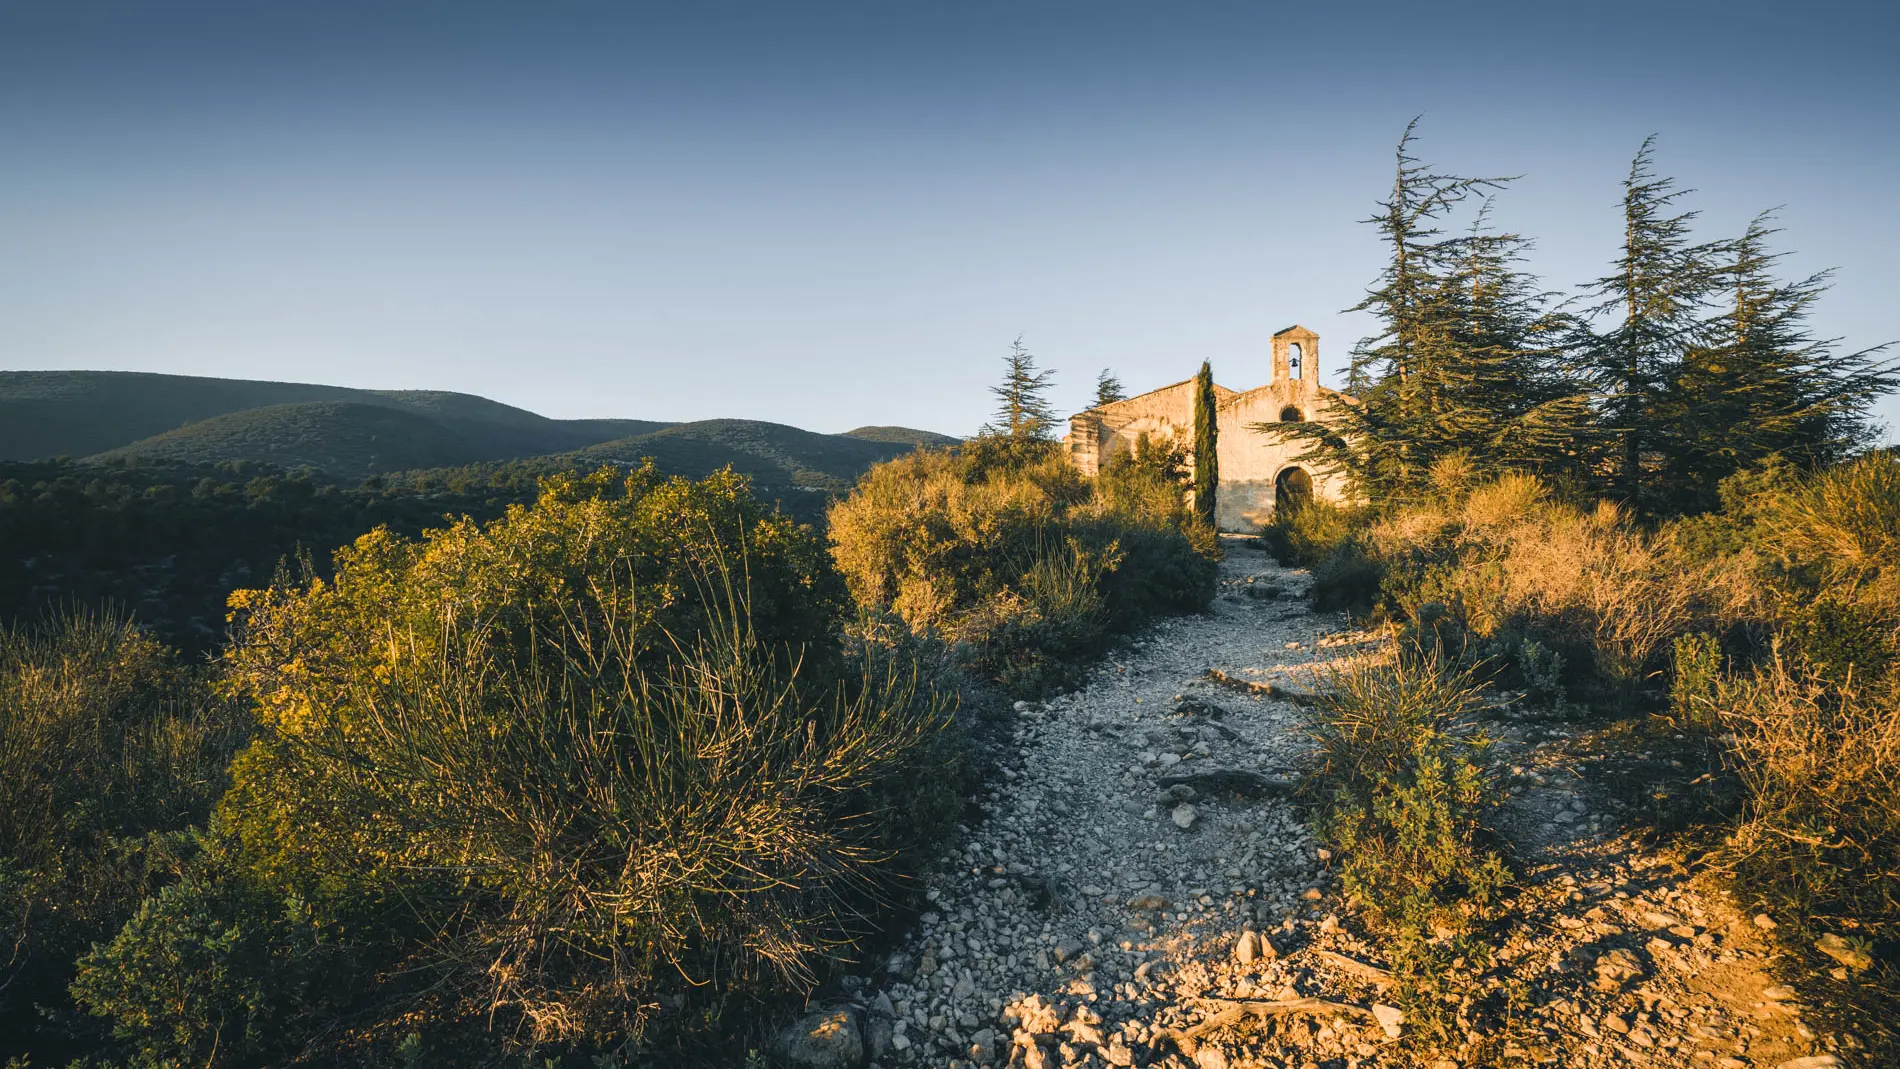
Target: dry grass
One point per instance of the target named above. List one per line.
(1822, 766)
(1506, 564)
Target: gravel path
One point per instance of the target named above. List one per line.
(1142, 894)
(1137, 842)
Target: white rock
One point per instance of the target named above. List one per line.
(1247, 947)
(1390, 1018)
(1183, 816)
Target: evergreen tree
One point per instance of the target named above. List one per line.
(1023, 412)
(1206, 447)
(1764, 386)
(1469, 357)
(1108, 389)
(1659, 296)
(1507, 398)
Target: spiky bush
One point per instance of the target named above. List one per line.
(531, 775)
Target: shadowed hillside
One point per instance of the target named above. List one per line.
(345, 440)
(774, 455)
(81, 413)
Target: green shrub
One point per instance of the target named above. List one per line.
(1027, 568)
(1149, 480)
(108, 752)
(214, 971)
(1348, 580)
(1698, 669)
(1312, 534)
(553, 766)
(1399, 783)
(1399, 791)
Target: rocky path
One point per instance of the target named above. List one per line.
(1142, 893)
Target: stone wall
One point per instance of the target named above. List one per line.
(1251, 463)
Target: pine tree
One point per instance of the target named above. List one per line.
(1469, 358)
(1206, 447)
(1023, 412)
(1508, 399)
(1764, 386)
(1659, 296)
(1108, 389)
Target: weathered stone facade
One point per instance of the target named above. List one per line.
(1256, 470)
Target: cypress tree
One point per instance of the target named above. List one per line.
(1108, 389)
(1206, 447)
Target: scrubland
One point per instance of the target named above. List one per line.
(1754, 647)
(615, 776)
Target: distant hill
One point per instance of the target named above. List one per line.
(347, 435)
(903, 436)
(343, 439)
(82, 413)
(774, 455)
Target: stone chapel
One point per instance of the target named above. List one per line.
(1257, 472)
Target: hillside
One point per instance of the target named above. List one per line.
(347, 435)
(903, 436)
(342, 439)
(82, 413)
(774, 455)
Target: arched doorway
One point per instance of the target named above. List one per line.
(1291, 489)
(1290, 414)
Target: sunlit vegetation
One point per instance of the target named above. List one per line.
(1652, 511)
(1004, 550)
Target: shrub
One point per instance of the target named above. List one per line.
(1027, 568)
(214, 971)
(1822, 765)
(1148, 480)
(1835, 584)
(108, 752)
(1505, 565)
(1399, 790)
(1312, 534)
(556, 765)
(1400, 787)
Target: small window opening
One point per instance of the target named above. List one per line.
(1289, 414)
(1293, 360)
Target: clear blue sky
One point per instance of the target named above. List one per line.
(841, 213)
